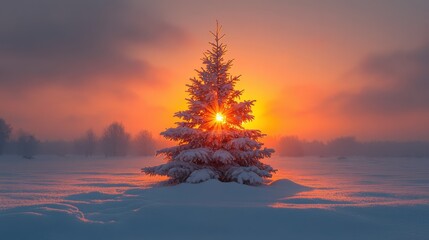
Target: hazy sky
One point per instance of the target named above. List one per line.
(318, 69)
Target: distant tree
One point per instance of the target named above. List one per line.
(27, 145)
(344, 146)
(90, 140)
(291, 146)
(86, 144)
(5, 130)
(313, 148)
(115, 140)
(78, 146)
(144, 144)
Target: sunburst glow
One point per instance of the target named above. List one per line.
(220, 118)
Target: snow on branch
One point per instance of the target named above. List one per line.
(202, 175)
(194, 155)
(247, 175)
(243, 143)
(176, 170)
(223, 156)
(172, 151)
(180, 133)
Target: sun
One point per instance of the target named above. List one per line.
(220, 118)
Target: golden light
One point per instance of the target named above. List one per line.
(220, 118)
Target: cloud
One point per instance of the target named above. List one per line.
(79, 42)
(393, 83)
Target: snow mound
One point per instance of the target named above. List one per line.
(287, 184)
(215, 193)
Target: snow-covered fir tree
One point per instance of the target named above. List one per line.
(212, 143)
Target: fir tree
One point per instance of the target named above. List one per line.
(212, 144)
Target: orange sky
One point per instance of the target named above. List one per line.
(317, 70)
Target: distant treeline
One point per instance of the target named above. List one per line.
(114, 141)
(349, 146)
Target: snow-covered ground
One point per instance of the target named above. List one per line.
(310, 198)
